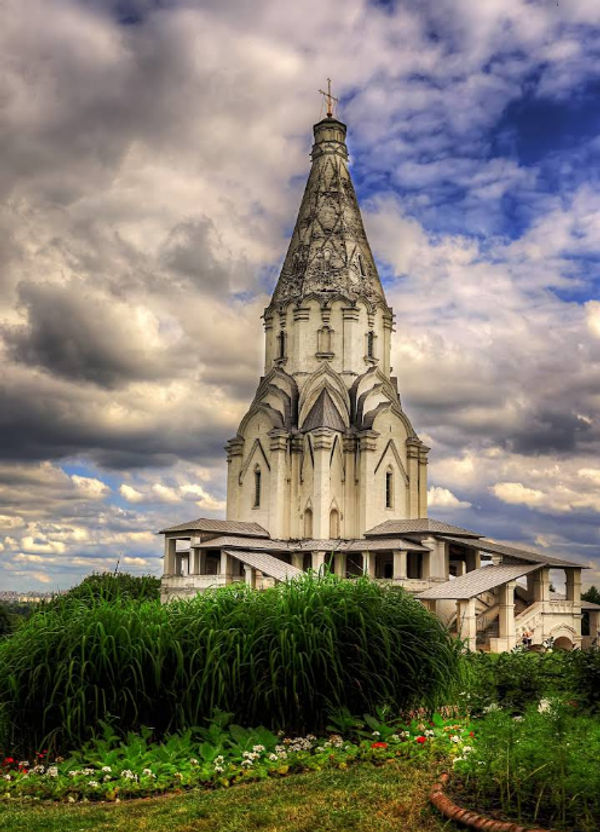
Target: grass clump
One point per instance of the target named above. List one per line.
(284, 657)
(541, 768)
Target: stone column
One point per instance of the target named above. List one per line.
(541, 584)
(278, 496)
(250, 576)
(399, 573)
(269, 347)
(412, 452)
(194, 561)
(467, 622)
(339, 564)
(170, 549)
(225, 567)
(573, 587)
(318, 561)
(322, 442)
(388, 328)
(369, 564)
(506, 615)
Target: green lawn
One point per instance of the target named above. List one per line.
(364, 798)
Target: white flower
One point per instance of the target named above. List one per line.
(106, 768)
(246, 762)
(24, 763)
(258, 748)
(128, 774)
(405, 734)
(106, 778)
(147, 771)
(518, 719)
(219, 760)
(6, 777)
(38, 769)
(455, 739)
(194, 761)
(467, 749)
(273, 757)
(219, 769)
(52, 771)
(429, 733)
(93, 783)
(544, 706)
(71, 773)
(376, 733)
(70, 799)
(493, 706)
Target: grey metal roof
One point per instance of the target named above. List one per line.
(310, 545)
(528, 555)
(324, 414)
(386, 545)
(204, 524)
(475, 582)
(244, 543)
(421, 525)
(267, 564)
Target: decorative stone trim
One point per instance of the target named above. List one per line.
(472, 820)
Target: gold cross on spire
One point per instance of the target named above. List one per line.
(329, 98)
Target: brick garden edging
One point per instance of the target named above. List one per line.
(466, 817)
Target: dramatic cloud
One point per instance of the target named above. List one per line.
(154, 156)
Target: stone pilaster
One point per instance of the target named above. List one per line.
(278, 496)
(322, 444)
(235, 451)
(412, 453)
(367, 448)
(467, 622)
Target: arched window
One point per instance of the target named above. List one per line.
(281, 344)
(371, 344)
(257, 487)
(334, 524)
(308, 523)
(389, 489)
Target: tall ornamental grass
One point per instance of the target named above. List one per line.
(284, 658)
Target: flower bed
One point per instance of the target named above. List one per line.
(219, 756)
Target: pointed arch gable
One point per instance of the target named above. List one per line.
(391, 450)
(328, 378)
(274, 416)
(256, 448)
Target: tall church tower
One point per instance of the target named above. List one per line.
(326, 450)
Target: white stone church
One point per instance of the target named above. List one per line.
(326, 467)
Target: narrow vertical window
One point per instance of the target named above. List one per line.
(371, 344)
(361, 265)
(389, 489)
(257, 484)
(281, 340)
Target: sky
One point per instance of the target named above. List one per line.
(154, 153)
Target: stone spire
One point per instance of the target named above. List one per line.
(329, 255)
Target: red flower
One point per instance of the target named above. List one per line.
(471, 733)
(379, 745)
(421, 740)
(8, 760)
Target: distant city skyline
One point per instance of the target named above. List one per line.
(154, 158)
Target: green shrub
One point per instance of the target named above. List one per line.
(540, 768)
(283, 657)
(107, 586)
(584, 667)
(518, 679)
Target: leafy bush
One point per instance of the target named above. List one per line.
(541, 767)
(107, 586)
(584, 667)
(285, 657)
(516, 680)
